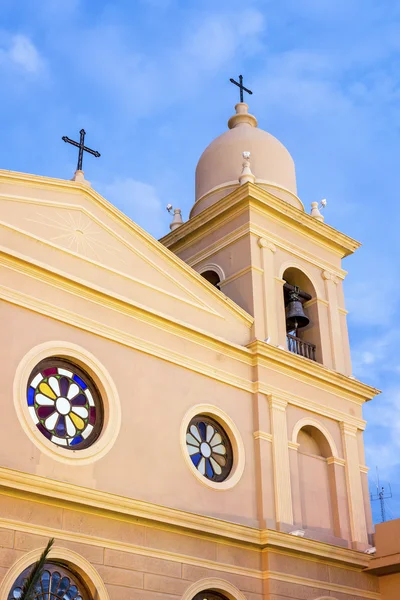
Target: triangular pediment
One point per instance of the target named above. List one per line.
(67, 229)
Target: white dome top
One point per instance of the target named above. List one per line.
(220, 165)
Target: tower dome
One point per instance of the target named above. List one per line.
(220, 165)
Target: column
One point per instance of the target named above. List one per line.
(280, 454)
(267, 264)
(334, 321)
(358, 525)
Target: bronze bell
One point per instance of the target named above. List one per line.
(295, 317)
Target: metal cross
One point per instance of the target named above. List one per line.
(241, 86)
(82, 148)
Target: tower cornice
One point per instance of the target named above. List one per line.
(253, 196)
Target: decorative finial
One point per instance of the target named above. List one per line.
(177, 220)
(82, 149)
(246, 175)
(315, 212)
(242, 117)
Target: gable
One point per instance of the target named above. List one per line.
(68, 230)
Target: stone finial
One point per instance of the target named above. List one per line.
(242, 116)
(315, 212)
(79, 177)
(177, 220)
(246, 174)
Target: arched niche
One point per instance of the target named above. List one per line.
(318, 494)
(305, 341)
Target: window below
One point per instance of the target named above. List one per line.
(55, 583)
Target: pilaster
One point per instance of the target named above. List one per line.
(280, 453)
(358, 527)
(268, 250)
(335, 328)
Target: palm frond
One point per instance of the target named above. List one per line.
(34, 576)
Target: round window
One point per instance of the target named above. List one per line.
(64, 403)
(209, 448)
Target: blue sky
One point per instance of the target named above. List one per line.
(149, 81)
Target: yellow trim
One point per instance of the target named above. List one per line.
(262, 435)
(312, 372)
(94, 582)
(331, 587)
(123, 220)
(260, 199)
(59, 493)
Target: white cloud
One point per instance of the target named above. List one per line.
(21, 52)
(139, 201)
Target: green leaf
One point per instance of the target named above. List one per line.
(28, 588)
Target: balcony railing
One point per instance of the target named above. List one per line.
(298, 346)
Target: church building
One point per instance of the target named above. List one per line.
(180, 415)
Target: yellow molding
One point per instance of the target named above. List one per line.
(240, 273)
(281, 542)
(335, 460)
(295, 250)
(125, 339)
(293, 445)
(364, 469)
(63, 535)
(48, 491)
(123, 220)
(307, 369)
(82, 538)
(262, 435)
(332, 587)
(258, 198)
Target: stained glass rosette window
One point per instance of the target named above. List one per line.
(209, 448)
(64, 404)
(55, 583)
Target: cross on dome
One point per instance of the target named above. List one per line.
(241, 87)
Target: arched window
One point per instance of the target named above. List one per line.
(302, 322)
(209, 595)
(56, 582)
(316, 491)
(212, 277)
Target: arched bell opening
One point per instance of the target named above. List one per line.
(212, 277)
(317, 488)
(301, 310)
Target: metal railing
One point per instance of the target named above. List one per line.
(299, 346)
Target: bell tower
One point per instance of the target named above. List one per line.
(249, 235)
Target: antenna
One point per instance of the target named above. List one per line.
(381, 495)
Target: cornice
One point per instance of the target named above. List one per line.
(307, 369)
(252, 194)
(61, 493)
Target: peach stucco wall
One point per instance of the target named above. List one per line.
(75, 272)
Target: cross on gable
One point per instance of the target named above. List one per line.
(241, 87)
(82, 148)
